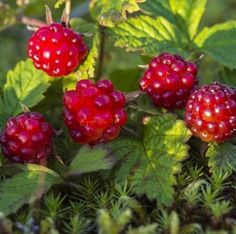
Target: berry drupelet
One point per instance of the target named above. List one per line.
(211, 112)
(169, 80)
(57, 50)
(94, 113)
(27, 138)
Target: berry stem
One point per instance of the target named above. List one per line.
(66, 13)
(101, 53)
(24, 107)
(199, 58)
(49, 18)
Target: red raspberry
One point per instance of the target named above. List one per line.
(169, 80)
(27, 138)
(211, 112)
(94, 113)
(57, 50)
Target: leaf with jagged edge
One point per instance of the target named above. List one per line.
(221, 157)
(151, 164)
(25, 84)
(7, 16)
(90, 159)
(186, 14)
(149, 36)
(87, 69)
(129, 151)
(111, 12)
(164, 143)
(217, 41)
(25, 187)
(158, 8)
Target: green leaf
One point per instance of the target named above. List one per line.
(129, 151)
(87, 69)
(221, 157)
(24, 85)
(25, 187)
(151, 164)
(158, 8)
(90, 159)
(148, 35)
(7, 16)
(219, 42)
(186, 14)
(109, 13)
(83, 26)
(164, 138)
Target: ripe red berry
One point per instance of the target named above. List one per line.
(94, 113)
(169, 80)
(211, 112)
(56, 49)
(27, 138)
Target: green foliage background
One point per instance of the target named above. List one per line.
(154, 178)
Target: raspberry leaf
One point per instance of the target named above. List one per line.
(87, 69)
(158, 8)
(148, 35)
(89, 160)
(164, 138)
(128, 151)
(114, 12)
(151, 164)
(25, 187)
(217, 41)
(25, 85)
(188, 14)
(221, 157)
(185, 13)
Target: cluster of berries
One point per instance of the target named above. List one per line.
(210, 110)
(94, 113)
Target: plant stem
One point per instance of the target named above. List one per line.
(101, 53)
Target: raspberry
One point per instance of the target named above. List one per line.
(169, 80)
(57, 50)
(27, 138)
(211, 112)
(94, 113)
